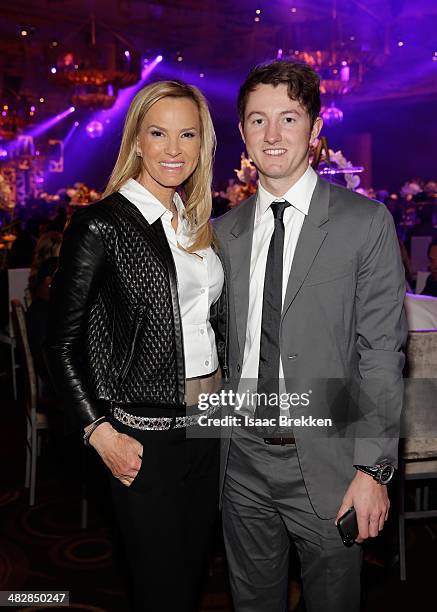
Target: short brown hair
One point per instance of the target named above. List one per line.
(302, 82)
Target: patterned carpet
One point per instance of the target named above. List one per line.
(44, 548)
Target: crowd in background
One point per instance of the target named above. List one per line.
(38, 228)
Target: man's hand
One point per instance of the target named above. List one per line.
(120, 453)
(371, 503)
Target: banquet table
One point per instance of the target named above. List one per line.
(421, 312)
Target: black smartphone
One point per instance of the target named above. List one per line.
(347, 526)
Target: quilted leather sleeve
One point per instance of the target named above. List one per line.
(81, 261)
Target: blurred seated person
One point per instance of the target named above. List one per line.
(431, 282)
(21, 251)
(395, 205)
(37, 318)
(424, 220)
(57, 224)
(409, 280)
(48, 246)
(43, 225)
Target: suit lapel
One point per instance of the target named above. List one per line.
(310, 240)
(240, 248)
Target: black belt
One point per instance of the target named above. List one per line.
(279, 441)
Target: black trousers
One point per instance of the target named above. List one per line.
(167, 517)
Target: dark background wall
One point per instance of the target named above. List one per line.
(394, 140)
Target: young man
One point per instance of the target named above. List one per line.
(316, 299)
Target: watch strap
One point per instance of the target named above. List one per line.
(376, 471)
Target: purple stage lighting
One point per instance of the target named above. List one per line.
(125, 95)
(127, 54)
(3, 153)
(103, 123)
(279, 54)
(94, 129)
(46, 125)
(53, 70)
(70, 133)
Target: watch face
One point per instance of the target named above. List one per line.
(386, 473)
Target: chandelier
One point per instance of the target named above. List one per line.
(341, 64)
(95, 72)
(339, 73)
(15, 115)
(10, 126)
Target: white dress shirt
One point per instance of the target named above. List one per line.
(200, 279)
(299, 196)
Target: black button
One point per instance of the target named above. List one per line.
(238, 368)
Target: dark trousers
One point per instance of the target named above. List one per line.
(167, 517)
(265, 503)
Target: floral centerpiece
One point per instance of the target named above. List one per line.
(81, 195)
(247, 176)
(418, 186)
(330, 162)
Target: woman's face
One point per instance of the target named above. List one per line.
(169, 144)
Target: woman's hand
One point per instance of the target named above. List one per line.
(120, 453)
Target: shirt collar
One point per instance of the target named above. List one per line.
(150, 207)
(299, 195)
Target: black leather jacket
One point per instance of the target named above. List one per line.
(115, 330)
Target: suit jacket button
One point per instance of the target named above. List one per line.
(238, 368)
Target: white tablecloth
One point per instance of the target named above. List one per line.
(421, 312)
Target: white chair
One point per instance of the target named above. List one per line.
(421, 278)
(18, 281)
(418, 448)
(418, 249)
(36, 421)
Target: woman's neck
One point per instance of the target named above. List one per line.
(164, 194)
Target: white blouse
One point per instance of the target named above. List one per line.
(200, 279)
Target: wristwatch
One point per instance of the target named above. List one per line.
(382, 472)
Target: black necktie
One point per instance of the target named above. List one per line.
(269, 352)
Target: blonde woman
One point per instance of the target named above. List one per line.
(138, 329)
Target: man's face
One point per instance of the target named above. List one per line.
(433, 262)
(277, 133)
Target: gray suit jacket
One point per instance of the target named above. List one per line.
(342, 332)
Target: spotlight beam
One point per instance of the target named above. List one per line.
(70, 133)
(46, 125)
(125, 95)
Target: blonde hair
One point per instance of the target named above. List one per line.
(197, 188)
(48, 246)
